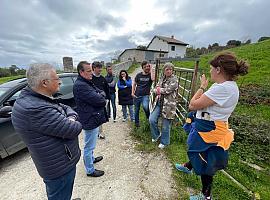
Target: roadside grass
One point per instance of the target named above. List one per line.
(132, 68)
(223, 188)
(9, 78)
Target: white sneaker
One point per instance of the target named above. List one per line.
(123, 120)
(114, 120)
(161, 146)
(155, 140)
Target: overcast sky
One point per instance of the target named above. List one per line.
(46, 30)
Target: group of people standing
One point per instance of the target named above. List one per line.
(50, 129)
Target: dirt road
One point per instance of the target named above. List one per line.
(129, 174)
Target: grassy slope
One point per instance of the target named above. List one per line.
(5, 79)
(243, 148)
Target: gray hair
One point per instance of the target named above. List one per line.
(38, 72)
(168, 64)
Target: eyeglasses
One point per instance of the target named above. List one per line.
(53, 79)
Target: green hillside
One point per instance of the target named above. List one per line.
(257, 55)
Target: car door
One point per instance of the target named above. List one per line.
(10, 141)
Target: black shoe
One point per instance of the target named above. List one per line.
(97, 159)
(96, 173)
(101, 137)
(137, 125)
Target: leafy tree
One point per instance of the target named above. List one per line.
(234, 43)
(263, 38)
(215, 45)
(142, 47)
(248, 41)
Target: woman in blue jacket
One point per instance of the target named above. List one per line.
(125, 99)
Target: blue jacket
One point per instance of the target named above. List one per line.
(52, 138)
(124, 92)
(90, 104)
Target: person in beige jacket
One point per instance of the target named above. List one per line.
(164, 106)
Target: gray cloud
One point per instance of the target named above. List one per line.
(46, 31)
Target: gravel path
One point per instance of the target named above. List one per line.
(129, 174)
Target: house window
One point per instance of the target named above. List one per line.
(173, 48)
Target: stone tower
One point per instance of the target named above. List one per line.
(68, 64)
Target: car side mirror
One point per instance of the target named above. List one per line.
(5, 111)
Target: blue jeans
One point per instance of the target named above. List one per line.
(131, 113)
(112, 101)
(144, 100)
(60, 188)
(90, 140)
(166, 126)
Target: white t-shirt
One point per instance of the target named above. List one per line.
(226, 96)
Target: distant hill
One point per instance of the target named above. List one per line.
(257, 55)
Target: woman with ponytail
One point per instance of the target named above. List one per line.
(209, 134)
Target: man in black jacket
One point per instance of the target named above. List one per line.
(50, 131)
(90, 102)
(111, 80)
(101, 83)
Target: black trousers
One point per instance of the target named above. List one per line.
(205, 179)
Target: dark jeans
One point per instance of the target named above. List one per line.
(111, 101)
(60, 188)
(144, 100)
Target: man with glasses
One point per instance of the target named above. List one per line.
(49, 129)
(90, 104)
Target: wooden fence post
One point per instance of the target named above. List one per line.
(194, 78)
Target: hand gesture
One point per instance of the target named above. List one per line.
(204, 81)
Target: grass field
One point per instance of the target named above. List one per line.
(251, 123)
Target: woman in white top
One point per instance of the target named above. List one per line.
(209, 134)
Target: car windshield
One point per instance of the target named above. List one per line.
(3, 91)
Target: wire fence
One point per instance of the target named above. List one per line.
(187, 81)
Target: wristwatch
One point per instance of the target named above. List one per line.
(203, 89)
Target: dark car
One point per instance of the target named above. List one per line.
(10, 141)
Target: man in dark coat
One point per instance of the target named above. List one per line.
(50, 131)
(90, 102)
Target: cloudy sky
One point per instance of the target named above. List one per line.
(46, 30)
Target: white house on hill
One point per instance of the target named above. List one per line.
(174, 47)
(139, 55)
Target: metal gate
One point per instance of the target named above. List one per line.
(187, 80)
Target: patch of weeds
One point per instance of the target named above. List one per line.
(254, 94)
(252, 138)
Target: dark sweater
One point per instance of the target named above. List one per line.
(101, 83)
